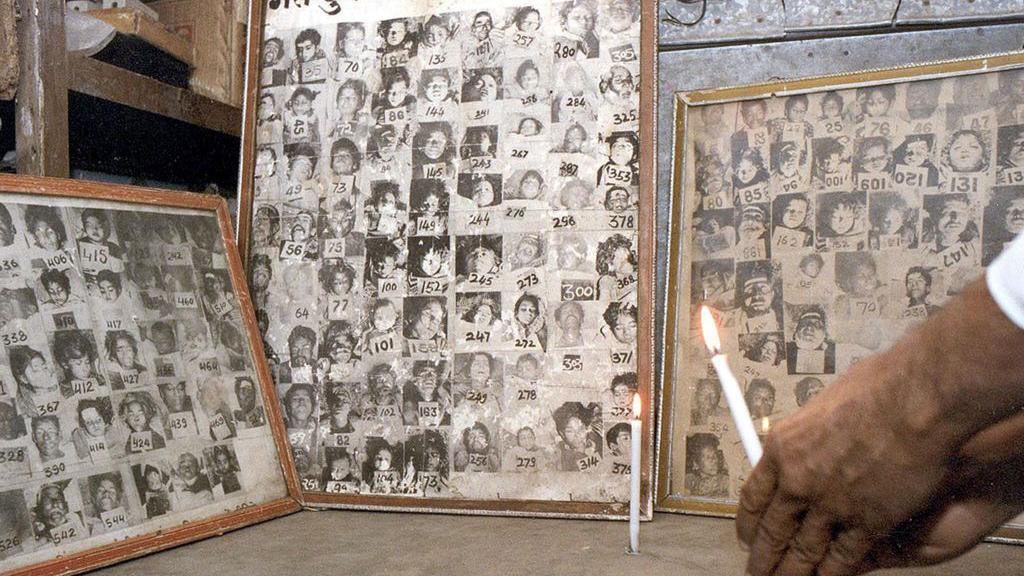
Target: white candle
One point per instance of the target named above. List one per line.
(634, 478)
(731, 389)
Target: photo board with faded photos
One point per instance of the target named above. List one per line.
(819, 220)
(135, 409)
(446, 248)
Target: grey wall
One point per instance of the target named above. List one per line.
(682, 70)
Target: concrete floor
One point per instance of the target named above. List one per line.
(341, 542)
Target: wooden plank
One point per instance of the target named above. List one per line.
(132, 23)
(102, 80)
(42, 103)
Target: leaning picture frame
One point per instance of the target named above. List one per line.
(137, 412)
(434, 44)
(784, 196)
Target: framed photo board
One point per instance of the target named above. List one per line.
(446, 214)
(819, 219)
(136, 412)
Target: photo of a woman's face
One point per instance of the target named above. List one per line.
(80, 368)
(93, 422)
(124, 353)
(135, 417)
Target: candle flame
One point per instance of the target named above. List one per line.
(710, 330)
(636, 406)
(765, 424)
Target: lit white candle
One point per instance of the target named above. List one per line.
(731, 388)
(634, 478)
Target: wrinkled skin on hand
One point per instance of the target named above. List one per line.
(903, 461)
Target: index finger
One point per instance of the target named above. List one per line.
(755, 496)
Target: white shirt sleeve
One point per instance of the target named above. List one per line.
(1005, 279)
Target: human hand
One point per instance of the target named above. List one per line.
(907, 459)
(988, 495)
(839, 475)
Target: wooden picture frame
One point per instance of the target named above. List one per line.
(261, 429)
(685, 359)
(570, 507)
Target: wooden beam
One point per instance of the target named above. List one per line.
(102, 80)
(41, 116)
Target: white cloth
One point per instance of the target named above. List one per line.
(1005, 278)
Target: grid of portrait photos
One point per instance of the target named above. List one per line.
(444, 248)
(128, 398)
(820, 227)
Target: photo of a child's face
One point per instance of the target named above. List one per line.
(396, 93)
(301, 105)
(579, 20)
(382, 461)
(437, 88)
(917, 153)
(795, 214)
(746, 170)
(966, 152)
(877, 104)
(875, 158)
(843, 218)
(621, 151)
(352, 42)
(396, 33)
